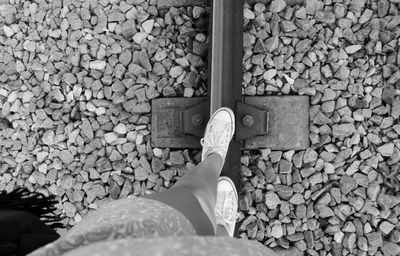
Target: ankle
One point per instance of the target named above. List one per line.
(215, 159)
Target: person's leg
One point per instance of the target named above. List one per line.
(194, 195)
(203, 181)
(221, 231)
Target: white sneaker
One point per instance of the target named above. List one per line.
(218, 134)
(226, 208)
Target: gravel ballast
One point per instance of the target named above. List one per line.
(341, 195)
(76, 81)
(77, 78)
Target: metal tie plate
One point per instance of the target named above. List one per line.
(275, 122)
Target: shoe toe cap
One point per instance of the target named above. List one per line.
(224, 115)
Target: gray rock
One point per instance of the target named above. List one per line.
(277, 6)
(114, 191)
(270, 174)
(74, 21)
(342, 131)
(325, 17)
(342, 73)
(300, 83)
(375, 239)
(110, 137)
(271, 200)
(396, 108)
(195, 60)
(285, 167)
(66, 182)
(386, 227)
(97, 64)
(276, 230)
(313, 5)
(115, 16)
(66, 156)
(310, 156)
(48, 137)
(272, 43)
(386, 149)
(69, 78)
(329, 95)
(129, 29)
(387, 201)
(145, 164)
(357, 5)
(383, 8)
(297, 199)
(353, 48)
(388, 94)
(324, 211)
(141, 174)
(141, 108)
(395, 236)
(136, 70)
(176, 157)
(303, 45)
(366, 16)
(151, 93)
(167, 174)
(87, 129)
(8, 31)
(362, 243)
(347, 184)
(284, 192)
(390, 249)
(69, 209)
(144, 60)
(176, 71)
(157, 165)
(126, 189)
(103, 165)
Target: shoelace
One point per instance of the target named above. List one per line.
(214, 141)
(207, 144)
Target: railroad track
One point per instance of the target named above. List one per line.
(174, 3)
(343, 54)
(276, 122)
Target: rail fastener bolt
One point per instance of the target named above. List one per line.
(248, 120)
(197, 120)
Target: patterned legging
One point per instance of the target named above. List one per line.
(185, 209)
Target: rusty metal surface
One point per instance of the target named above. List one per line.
(194, 120)
(283, 119)
(226, 55)
(166, 125)
(250, 121)
(288, 126)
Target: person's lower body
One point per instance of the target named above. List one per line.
(195, 205)
(195, 194)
